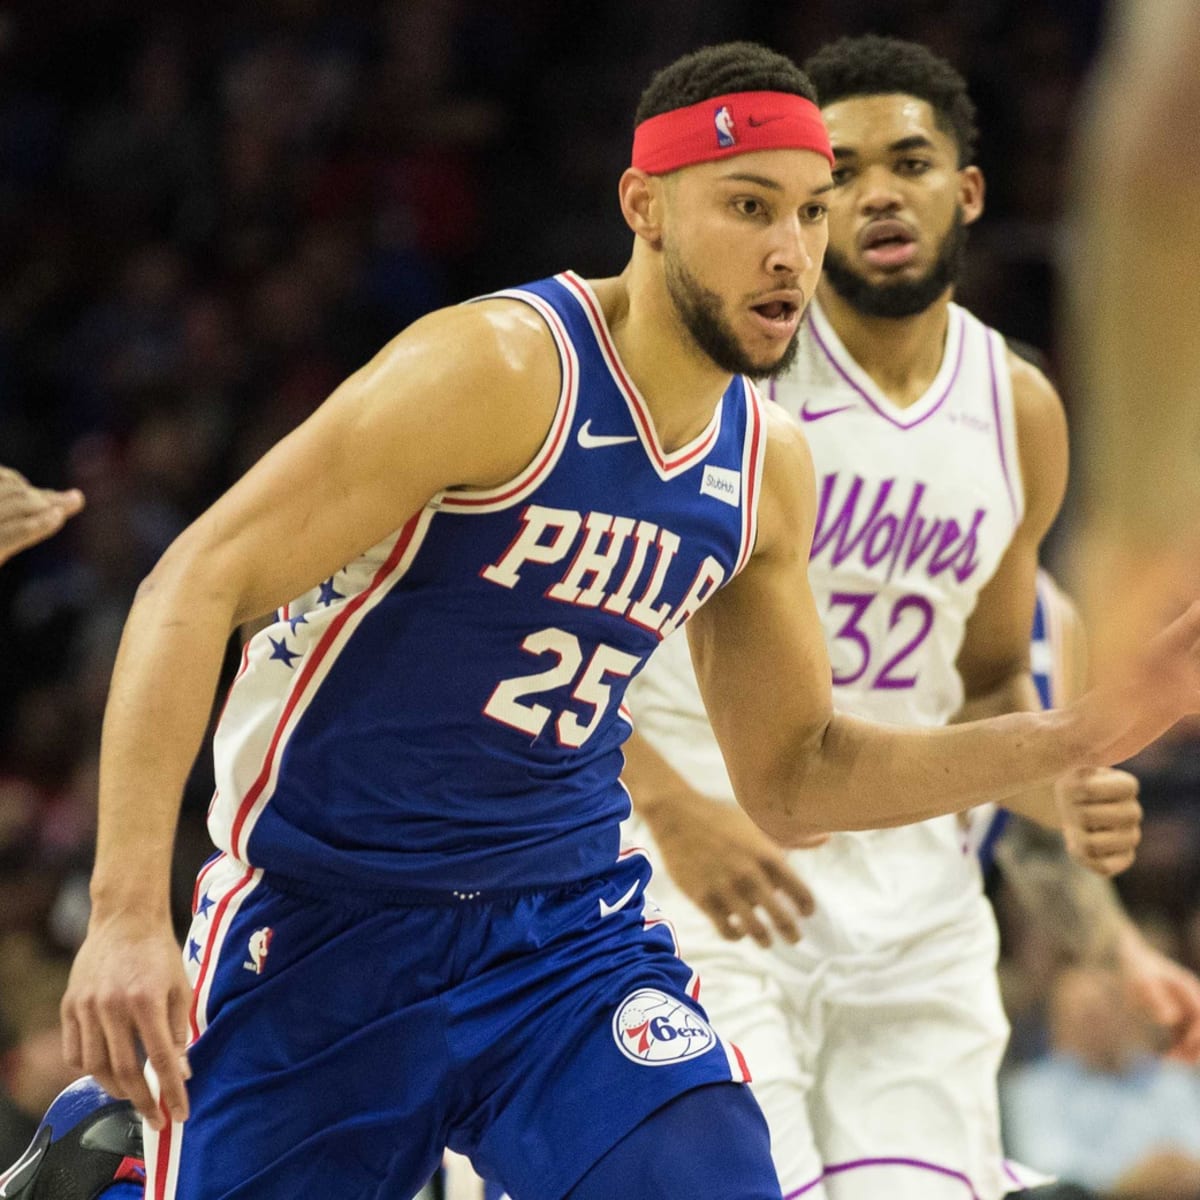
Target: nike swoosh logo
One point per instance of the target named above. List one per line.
(607, 910)
(754, 124)
(808, 414)
(590, 441)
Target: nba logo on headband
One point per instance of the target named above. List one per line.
(742, 121)
(723, 120)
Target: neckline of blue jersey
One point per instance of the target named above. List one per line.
(667, 466)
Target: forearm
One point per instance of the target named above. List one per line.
(1017, 693)
(158, 709)
(856, 775)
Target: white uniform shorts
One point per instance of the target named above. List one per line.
(875, 1067)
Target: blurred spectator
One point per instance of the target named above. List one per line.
(32, 1071)
(1100, 1108)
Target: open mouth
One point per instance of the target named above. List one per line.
(780, 317)
(888, 244)
(777, 310)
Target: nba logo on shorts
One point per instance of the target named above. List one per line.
(656, 1030)
(723, 120)
(260, 945)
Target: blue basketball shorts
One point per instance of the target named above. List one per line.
(338, 1044)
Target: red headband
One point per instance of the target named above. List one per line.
(726, 125)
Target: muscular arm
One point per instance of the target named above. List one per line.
(799, 767)
(417, 419)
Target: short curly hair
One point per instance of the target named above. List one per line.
(872, 66)
(718, 70)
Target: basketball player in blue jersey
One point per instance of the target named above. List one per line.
(417, 931)
(940, 459)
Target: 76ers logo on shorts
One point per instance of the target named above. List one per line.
(656, 1029)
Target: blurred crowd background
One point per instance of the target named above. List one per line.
(209, 215)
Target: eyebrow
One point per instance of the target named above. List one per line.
(771, 184)
(916, 142)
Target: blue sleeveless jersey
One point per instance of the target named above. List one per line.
(444, 714)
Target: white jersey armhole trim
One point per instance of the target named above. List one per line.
(753, 455)
(505, 495)
(1006, 425)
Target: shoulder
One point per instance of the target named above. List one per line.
(1041, 426)
(786, 509)
(1037, 406)
(476, 385)
(501, 342)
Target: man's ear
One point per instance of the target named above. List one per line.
(971, 189)
(642, 205)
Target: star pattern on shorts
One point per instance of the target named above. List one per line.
(193, 950)
(294, 621)
(204, 905)
(329, 593)
(283, 652)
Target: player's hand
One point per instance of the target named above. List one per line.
(128, 992)
(1168, 994)
(730, 869)
(1101, 817)
(1116, 720)
(29, 514)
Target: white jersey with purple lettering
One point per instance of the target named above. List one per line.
(915, 508)
(874, 1043)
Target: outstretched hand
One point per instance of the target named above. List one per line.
(1124, 715)
(29, 514)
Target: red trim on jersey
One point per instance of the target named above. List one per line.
(746, 1076)
(682, 457)
(162, 1160)
(752, 471)
(204, 870)
(530, 477)
(312, 661)
(209, 942)
(240, 672)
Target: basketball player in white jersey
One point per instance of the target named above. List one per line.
(29, 514)
(940, 463)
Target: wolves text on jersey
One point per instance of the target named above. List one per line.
(899, 534)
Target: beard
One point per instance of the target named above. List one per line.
(906, 297)
(700, 311)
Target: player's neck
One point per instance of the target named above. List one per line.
(680, 384)
(901, 355)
